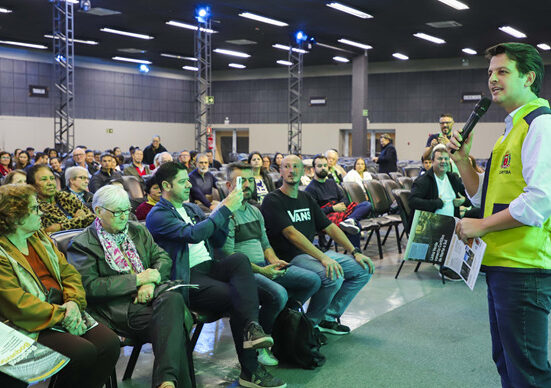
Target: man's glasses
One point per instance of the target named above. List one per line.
(118, 213)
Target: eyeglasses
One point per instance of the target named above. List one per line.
(117, 213)
(83, 178)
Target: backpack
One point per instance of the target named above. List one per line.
(295, 339)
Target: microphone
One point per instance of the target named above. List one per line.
(477, 113)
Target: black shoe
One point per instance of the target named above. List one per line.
(321, 337)
(333, 327)
(450, 275)
(255, 338)
(259, 379)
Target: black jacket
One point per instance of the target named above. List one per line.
(149, 153)
(388, 159)
(424, 193)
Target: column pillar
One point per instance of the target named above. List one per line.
(359, 103)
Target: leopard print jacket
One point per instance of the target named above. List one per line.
(62, 211)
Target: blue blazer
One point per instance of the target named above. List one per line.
(173, 234)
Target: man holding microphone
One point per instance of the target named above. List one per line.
(515, 199)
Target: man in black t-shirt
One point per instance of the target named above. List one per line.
(292, 220)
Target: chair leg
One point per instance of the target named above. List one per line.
(378, 234)
(112, 380)
(368, 238)
(417, 267)
(399, 269)
(196, 334)
(132, 362)
(387, 233)
(398, 239)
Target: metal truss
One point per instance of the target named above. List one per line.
(203, 53)
(294, 138)
(64, 78)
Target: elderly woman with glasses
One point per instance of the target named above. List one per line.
(41, 295)
(62, 210)
(122, 271)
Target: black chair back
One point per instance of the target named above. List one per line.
(412, 172)
(395, 175)
(401, 197)
(382, 176)
(406, 182)
(133, 186)
(390, 185)
(378, 196)
(222, 189)
(63, 238)
(355, 192)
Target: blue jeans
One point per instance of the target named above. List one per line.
(519, 302)
(335, 295)
(360, 212)
(297, 283)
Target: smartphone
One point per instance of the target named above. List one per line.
(239, 182)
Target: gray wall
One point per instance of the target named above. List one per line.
(393, 98)
(100, 94)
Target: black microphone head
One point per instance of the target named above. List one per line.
(482, 106)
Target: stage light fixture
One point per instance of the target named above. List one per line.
(202, 14)
(143, 68)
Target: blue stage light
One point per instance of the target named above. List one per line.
(202, 14)
(300, 36)
(143, 68)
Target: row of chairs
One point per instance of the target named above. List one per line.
(62, 240)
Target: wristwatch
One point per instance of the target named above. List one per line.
(356, 250)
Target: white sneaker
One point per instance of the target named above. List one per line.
(349, 226)
(266, 357)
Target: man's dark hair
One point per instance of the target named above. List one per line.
(39, 155)
(167, 172)
(97, 153)
(149, 183)
(134, 149)
(106, 154)
(527, 59)
(316, 157)
(237, 166)
(31, 172)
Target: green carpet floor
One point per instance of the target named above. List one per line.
(439, 340)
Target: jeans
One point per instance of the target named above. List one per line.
(360, 212)
(228, 286)
(297, 283)
(519, 302)
(334, 296)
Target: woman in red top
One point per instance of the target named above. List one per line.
(5, 163)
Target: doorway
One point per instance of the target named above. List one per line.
(345, 142)
(229, 141)
(374, 145)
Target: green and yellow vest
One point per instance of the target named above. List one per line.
(525, 246)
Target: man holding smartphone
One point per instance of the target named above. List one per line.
(277, 281)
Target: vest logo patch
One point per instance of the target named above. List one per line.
(506, 162)
(300, 215)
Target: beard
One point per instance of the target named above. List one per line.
(322, 174)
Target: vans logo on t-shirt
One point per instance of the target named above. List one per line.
(299, 215)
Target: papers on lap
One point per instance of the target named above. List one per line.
(432, 239)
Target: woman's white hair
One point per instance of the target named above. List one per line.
(73, 172)
(110, 197)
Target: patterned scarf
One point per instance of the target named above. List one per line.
(113, 254)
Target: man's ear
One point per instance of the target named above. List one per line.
(165, 186)
(530, 78)
(228, 185)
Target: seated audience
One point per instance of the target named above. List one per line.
(276, 162)
(41, 158)
(55, 165)
(334, 202)
(185, 160)
(16, 153)
(387, 159)
(162, 158)
(266, 163)
(121, 267)
(62, 210)
(41, 295)
(213, 163)
(226, 285)
(117, 151)
(30, 151)
(153, 196)
(137, 168)
(15, 177)
(335, 169)
(202, 182)
(263, 181)
(307, 177)
(23, 160)
(153, 149)
(427, 164)
(439, 190)
(247, 235)
(90, 162)
(52, 153)
(77, 183)
(105, 174)
(293, 218)
(78, 158)
(5, 163)
(358, 174)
